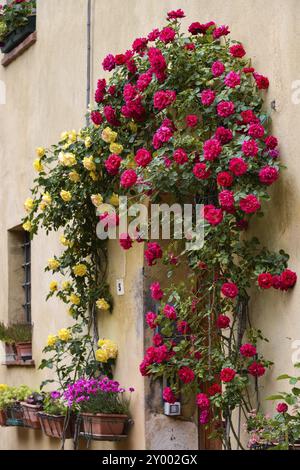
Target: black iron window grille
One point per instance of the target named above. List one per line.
(27, 276)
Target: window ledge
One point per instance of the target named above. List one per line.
(19, 50)
(19, 364)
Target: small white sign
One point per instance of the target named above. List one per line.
(120, 287)
(173, 409)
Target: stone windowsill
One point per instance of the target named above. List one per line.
(19, 363)
(19, 50)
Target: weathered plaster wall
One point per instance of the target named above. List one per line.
(46, 95)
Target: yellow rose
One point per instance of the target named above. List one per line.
(74, 299)
(108, 349)
(47, 199)
(27, 226)
(80, 270)
(64, 335)
(29, 204)
(64, 135)
(51, 341)
(101, 355)
(72, 136)
(74, 176)
(66, 285)
(53, 264)
(116, 148)
(102, 304)
(109, 136)
(37, 165)
(66, 196)
(96, 199)
(64, 241)
(43, 206)
(114, 200)
(67, 159)
(88, 142)
(53, 286)
(94, 176)
(3, 387)
(40, 151)
(88, 163)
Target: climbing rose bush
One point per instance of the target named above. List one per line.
(181, 115)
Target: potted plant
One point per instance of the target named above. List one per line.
(17, 21)
(55, 419)
(10, 351)
(10, 403)
(31, 406)
(21, 335)
(3, 390)
(281, 431)
(103, 407)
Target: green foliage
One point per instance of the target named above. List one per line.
(13, 15)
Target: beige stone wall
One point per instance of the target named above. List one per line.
(46, 95)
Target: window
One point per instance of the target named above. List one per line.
(19, 276)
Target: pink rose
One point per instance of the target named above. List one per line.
(212, 149)
(237, 50)
(180, 156)
(128, 179)
(112, 164)
(250, 204)
(212, 215)
(238, 166)
(218, 68)
(225, 109)
(207, 97)
(143, 158)
(201, 172)
(156, 291)
(232, 79)
(268, 175)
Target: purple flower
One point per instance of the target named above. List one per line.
(55, 395)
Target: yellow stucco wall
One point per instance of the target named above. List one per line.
(46, 95)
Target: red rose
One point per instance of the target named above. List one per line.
(223, 322)
(265, 280)
(201, 172)
(248, 117)
(248, 350)
(169, 396)
(217, 69)
(174, 14)
(128, 179)
(180, 156)
(186, 375)
(271, 142)
(126, 241)
(153, 253)
(144, 81)
(221, 31)
(109, 63)
(151, 318)
(288, 279)
(238, 166)
(223, 135)
(167, 35)
(225, 109)
(256, 131)
(163, 99)
(268, 175)
(203, 401)
(237, 50)
(212, 149)
(183, 327)
(227, 374)
(230, 290)
(276, 282)
(212, 215)
(96, 118)
(256, 369)
(112, 164)
(143, 158)
(111, 117)
(282, 408)
(261, 81)
(156, 291)
(207, 97)
(250, 148)
(191, 120)
(224, 179)
(170, 312)
(226, 200)
(139, 44)
(214, 389)
(157, 340)
(232, 79)
(250, 204)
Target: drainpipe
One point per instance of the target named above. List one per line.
(88, 56)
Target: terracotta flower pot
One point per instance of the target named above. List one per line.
(24, 351)
(104, 424)
(30, 416)
(2, 418)
(53, 426)
(10, 352)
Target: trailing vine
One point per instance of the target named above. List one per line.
(183, 116)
